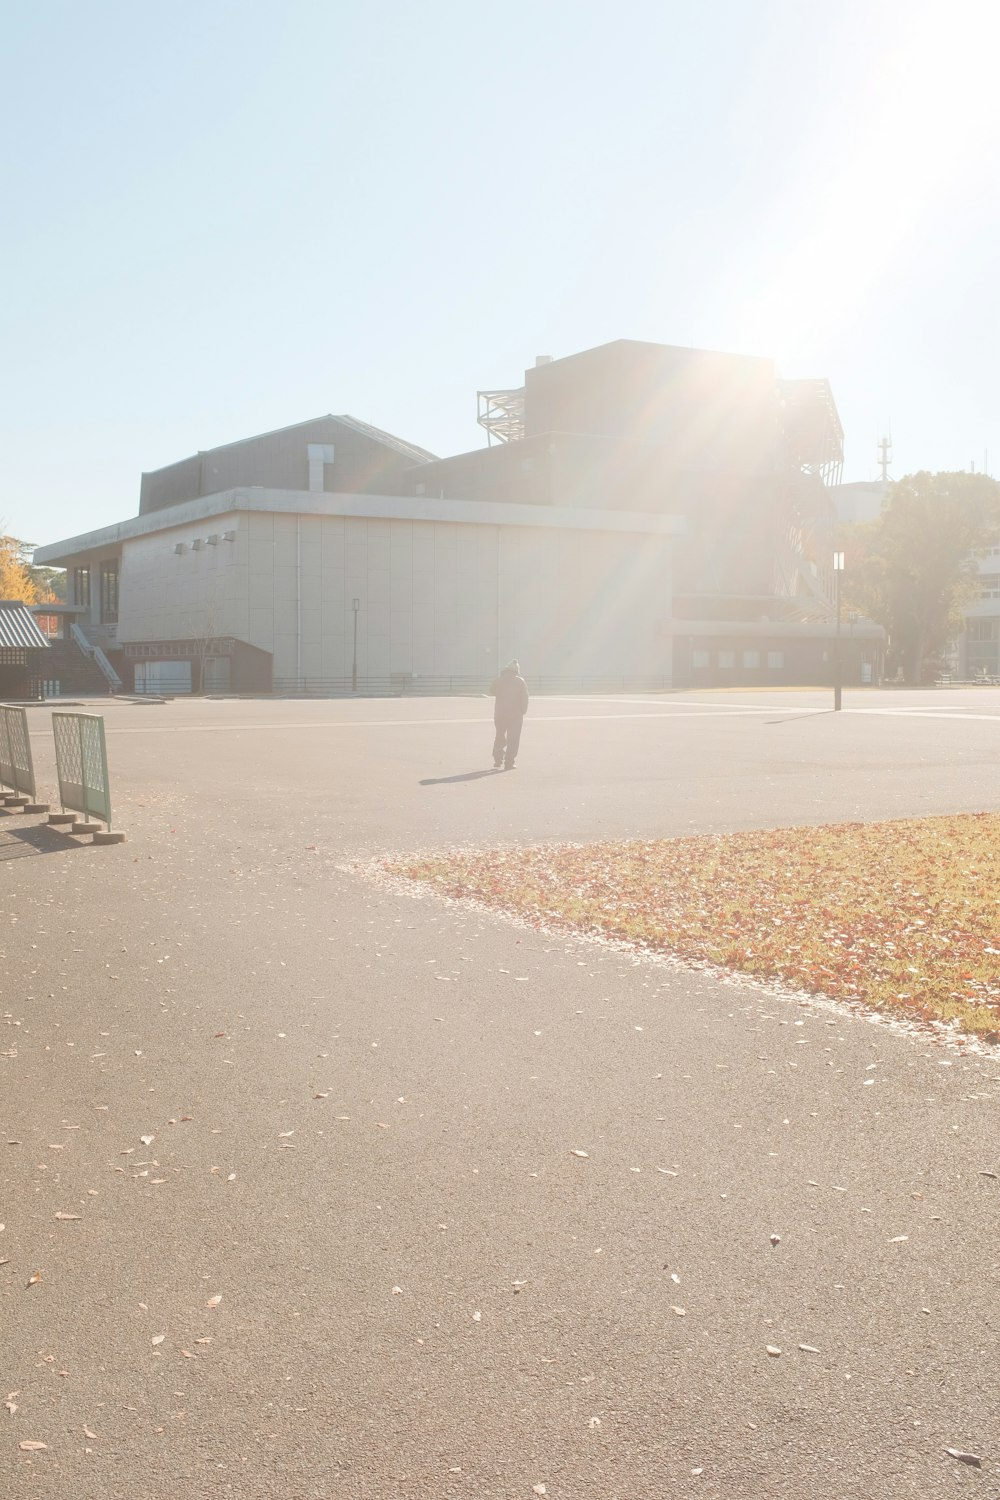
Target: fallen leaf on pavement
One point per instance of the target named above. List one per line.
(580, 1153)
(29, 1447)
(963, 1458)
(158, 1339)
(773, 1350)
(69, 1216)
(214, 1301)
(147, 1140)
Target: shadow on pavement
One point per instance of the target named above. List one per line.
(466, 776)
(20, 843)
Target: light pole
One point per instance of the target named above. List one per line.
(355, 605)
(838, 569)
(854, 674)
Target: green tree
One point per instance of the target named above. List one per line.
(912, 570)
(19, 580)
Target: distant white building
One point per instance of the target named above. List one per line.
(978, 649)
(861, 500)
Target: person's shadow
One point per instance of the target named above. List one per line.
(466, 776)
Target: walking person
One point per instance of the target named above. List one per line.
(511, 693)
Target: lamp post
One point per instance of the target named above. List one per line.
(838, 569)
(355, 605)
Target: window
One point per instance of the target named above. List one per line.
(109, 593)
(751, 658)
(81, 587)
(776, 660)
(989, 585)
(982, 630)
(701, 660)
(727, 658)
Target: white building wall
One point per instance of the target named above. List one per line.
(436, 598)
(166, 595)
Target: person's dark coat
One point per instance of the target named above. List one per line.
(511, 693)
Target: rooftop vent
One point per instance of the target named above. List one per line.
(320, 454)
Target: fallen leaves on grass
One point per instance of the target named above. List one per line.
(900, 916)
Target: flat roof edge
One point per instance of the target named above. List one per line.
(373, 507)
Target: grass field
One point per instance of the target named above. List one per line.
(903, 916)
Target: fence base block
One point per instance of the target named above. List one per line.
(36, 807)
(82, 826)
(16, 801)
(61, 819)
(109, 836)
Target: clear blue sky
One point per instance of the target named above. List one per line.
(229, 215)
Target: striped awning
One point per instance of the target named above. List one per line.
(18, 628)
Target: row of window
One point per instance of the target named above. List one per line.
(109, 590)
(989, 585)
(727, 659)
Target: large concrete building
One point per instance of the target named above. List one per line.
(641, 516)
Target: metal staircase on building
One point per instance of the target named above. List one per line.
(112, 681)
(77, 666)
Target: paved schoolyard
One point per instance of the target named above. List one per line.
(364, 1108)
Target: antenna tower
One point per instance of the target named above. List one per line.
(885, 457)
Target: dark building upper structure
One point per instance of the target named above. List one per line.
(641, 514)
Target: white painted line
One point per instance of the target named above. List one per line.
(687, 711)
(418, 723)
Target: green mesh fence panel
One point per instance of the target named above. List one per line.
(16, 769)
(82, 764)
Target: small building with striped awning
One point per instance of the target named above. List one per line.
(21, 647)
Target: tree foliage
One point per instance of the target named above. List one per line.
(912, 570)
(19, 580)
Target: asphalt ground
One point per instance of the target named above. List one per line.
(364, 1109)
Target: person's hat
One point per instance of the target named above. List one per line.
(512, 666)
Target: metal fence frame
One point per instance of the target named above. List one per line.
(82, 765)
(16, 769)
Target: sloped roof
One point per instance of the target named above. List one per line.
(398, 445)
(376, 434)
(18, 628)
